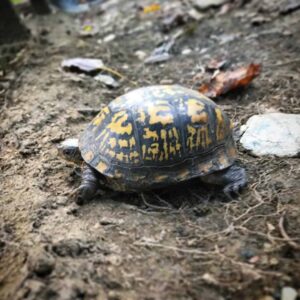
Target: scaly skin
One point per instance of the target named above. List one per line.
(89, 185)
(234, 179)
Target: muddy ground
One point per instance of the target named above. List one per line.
(184, 242)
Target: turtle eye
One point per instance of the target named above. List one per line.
(67, 151)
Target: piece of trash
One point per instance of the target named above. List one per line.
(107, 80)
(290, 7)
(88, 28)
(288, 293)
(151, 8)
(272, 134)
(161, 53)
(205, 4)
(227, 81)
(82, 65)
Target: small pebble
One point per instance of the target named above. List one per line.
(40, 262)
(186, 51)
(141, 55)
(109, 38)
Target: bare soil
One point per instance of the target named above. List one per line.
(184, 242)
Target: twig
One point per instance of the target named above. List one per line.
(153, 206)
(247, 211)
(162, 200)
(247, 268)
(285, 235)
(283, 63)
(167, 247)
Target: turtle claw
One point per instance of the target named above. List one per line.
(233, 189)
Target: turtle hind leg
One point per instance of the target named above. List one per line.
(233, 179)
(236, 181)
(89, 185)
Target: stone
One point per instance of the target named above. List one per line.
(186, 51)
(107, 80)
(40, 262)
(205, 4)
(272, 134)
(288, 293)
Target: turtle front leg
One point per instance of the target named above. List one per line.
(89, 185)
(233, 178)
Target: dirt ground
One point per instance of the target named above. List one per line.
(184, 242)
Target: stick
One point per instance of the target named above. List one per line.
(285, 235)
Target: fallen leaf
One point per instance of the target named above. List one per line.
(151, 8)
(224, 82)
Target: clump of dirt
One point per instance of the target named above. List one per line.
(185, 242)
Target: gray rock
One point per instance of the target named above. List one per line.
(288, 293)
(272, 134)
(107, 80)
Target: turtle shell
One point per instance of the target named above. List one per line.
(158, 135)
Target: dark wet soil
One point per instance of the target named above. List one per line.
(185, 242)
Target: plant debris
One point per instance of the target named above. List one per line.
(290, 7)
(223, 82)
(161, 53)
(151, 8)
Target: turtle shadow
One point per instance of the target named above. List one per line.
(184, 195)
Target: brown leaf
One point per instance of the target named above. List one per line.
(224, 82)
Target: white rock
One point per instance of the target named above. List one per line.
(204, 4)
(109, 38)
(186, 51)
(288, 293)
(140, 54)
(107, 80)
(272, 134)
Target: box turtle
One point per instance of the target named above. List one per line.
(153, 137)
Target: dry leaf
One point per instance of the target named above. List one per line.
(224, 82)
(151, 8)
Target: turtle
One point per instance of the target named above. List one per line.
(153, 137)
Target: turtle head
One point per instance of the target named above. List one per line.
(69, 150)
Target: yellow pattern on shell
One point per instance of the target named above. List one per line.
(112, 142)
(117, 123)
(101, 116)
(101, 167)
(149, 134)
(220, 124)
(88, 156)
(132, 142)
(165, 118)
(123, 143)
(195, 111)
